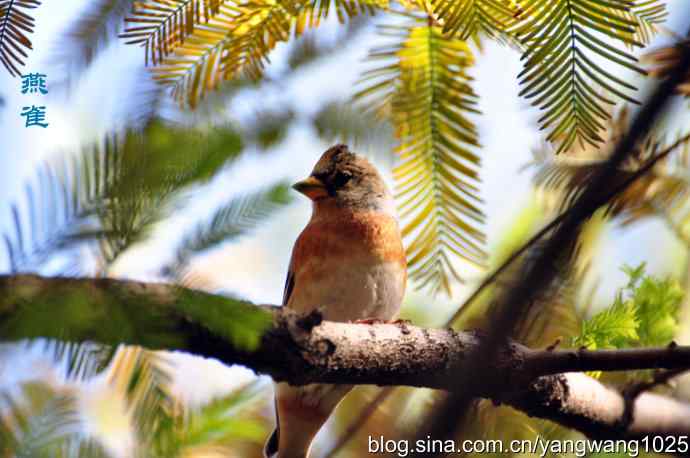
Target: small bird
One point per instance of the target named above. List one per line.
(349, 260)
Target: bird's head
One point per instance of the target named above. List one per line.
(345, 179)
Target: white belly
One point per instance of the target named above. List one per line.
(345, 293)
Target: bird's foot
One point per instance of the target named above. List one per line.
(401, 322)
(398, 322)
(369, 321)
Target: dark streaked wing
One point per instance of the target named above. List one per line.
(289, 285)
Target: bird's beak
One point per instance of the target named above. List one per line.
(311, 187)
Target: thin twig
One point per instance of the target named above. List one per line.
(659, 378)
(632, 392)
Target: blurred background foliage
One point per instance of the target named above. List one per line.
(186, 168)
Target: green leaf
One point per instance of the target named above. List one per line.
(233, 42)
(423, 84)
(113, 193)
(15, 24)
(162, 25)
(644, 313)
(468, 18)
(344, 123)
(614, 327)
(269, 128)
(648, 15)
(37, 421)
(216, 425)
(92, 30)
(658, 303)
(236, 218)
(566, 42)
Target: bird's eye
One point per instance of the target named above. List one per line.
(341, 178)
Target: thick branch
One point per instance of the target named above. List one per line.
(303, 350)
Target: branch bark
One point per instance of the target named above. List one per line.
(305, 349)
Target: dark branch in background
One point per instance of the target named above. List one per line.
(633, 392)
(303, 349)
(645, 168)
(538, 274)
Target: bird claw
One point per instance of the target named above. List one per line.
(397, 322)
(369, 321)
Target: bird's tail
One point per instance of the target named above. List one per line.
(271, 447)
(298, 421)
(293, 438)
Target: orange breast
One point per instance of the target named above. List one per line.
(353, 265)
(369, 235)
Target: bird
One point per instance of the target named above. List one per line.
(349, 262)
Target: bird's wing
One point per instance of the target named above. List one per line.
(271, 447)
(289, 285)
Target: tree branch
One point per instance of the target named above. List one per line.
(303, 349)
